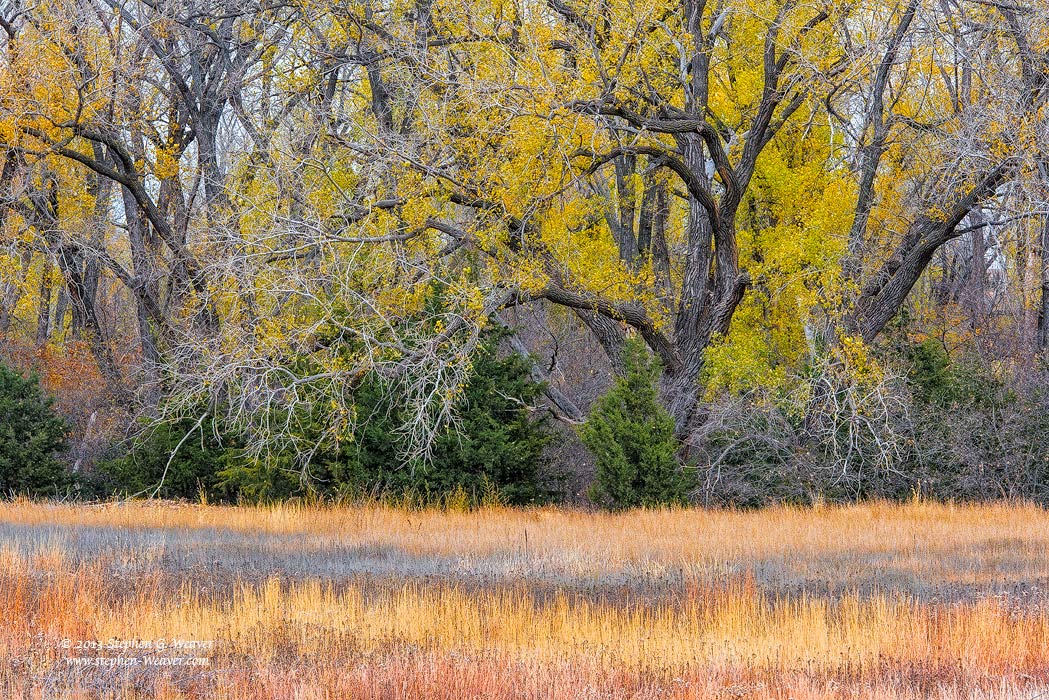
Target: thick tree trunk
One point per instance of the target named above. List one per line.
(626, 167)
(1043, 302)
(885, 292)
(12, 295)
(61, 311)
(145, 290)
(43, 313)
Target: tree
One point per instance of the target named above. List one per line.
(951, 137)
(261, 182)
(632, 438)
(423, 176)
(496, 446)
(31, 438)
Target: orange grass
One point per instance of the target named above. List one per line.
(734, 626)
(937, 542)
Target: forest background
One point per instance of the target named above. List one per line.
(732, 252)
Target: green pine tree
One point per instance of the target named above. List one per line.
(632, 439)
(31, 435)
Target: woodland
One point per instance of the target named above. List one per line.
(723, 252)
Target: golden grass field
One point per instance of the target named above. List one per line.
(868, 601)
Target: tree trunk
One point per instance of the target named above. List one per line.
(43, 313)
(1043, 305)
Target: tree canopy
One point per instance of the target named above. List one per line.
(248, 204)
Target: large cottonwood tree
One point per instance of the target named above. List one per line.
(295, 195)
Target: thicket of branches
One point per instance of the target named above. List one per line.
(245, 211)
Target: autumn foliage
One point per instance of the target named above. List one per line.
(260, 212)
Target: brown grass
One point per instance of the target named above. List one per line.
(873, 601)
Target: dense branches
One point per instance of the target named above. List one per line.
(281, 200)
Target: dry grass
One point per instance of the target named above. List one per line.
(873, 601)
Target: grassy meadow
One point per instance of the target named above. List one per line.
(868, 601)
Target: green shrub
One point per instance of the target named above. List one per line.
(495, 455)
(31, 435)
(632, 439)
(502, 440)
(938, 380)
(171, 460)
(496, 452)
(265, 478)
(980, 434)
